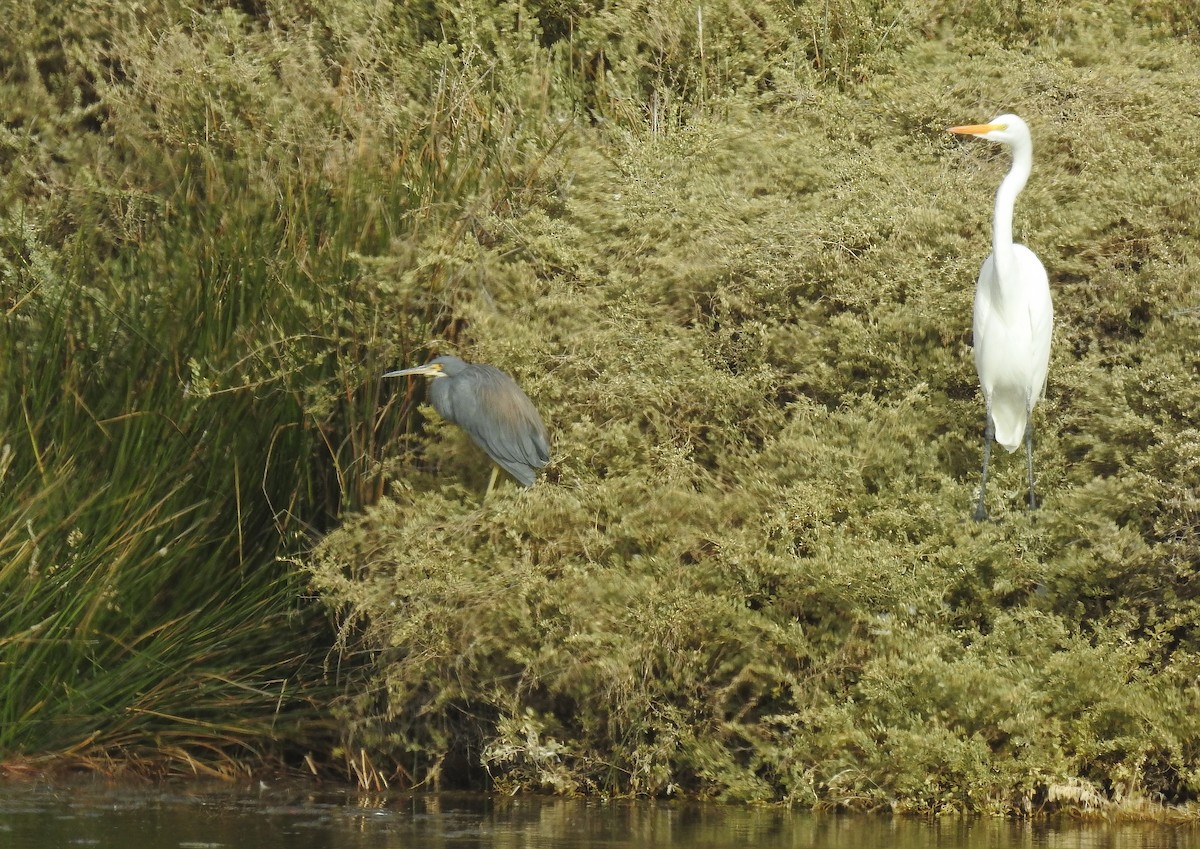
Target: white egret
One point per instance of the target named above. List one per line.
(1013, 313)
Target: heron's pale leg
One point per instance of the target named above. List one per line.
(989, 433)
(1029, 461)
(492, 480)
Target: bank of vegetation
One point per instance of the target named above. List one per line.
(729, 250)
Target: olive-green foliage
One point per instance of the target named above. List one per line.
(750, 573)
(729, 251)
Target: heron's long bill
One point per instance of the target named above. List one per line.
(429, 370)
(977, 129)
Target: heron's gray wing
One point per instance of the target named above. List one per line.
(500, 419)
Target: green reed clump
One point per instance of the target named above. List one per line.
(219, 230)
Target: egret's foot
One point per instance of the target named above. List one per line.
(980, 514)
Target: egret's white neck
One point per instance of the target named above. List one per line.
(1006, 198)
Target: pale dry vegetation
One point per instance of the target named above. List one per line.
(751, 573)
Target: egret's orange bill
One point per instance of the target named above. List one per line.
(976, 129)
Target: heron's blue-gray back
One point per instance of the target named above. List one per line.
(496, 413)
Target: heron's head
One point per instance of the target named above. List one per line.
(445, 366)
(1007, 129)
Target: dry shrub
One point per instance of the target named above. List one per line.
(751, 574)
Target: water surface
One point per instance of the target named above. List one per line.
(95, 814)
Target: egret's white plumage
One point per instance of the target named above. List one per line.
(1013, 312)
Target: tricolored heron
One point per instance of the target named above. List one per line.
(487, 403)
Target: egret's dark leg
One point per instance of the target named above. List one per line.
(492, 480)
(989, 433)
(1029, 460)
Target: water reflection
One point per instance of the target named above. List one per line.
(188, 817)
